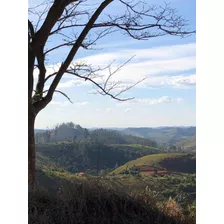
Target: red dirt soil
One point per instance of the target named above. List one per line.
(153, 172)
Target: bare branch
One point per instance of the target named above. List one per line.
(139, 20)
(57, 91)
(116, 70)
(89, 74)
(75, 48)
(69, 42)
(158, 21)
(49, 76)
(98, 85)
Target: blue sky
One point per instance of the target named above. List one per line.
(165, 98)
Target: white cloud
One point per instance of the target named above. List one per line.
(176, 81)
(133, 72)
(108, 110)
(82, 103)
(153, 101)
(164, 52)
(55, 103)
(155, 53)
(149, 101)
(185, 81)
(60, 104)
(150, 63)
(68, 84)
(127, 110)
(180, 100)
(67, 103)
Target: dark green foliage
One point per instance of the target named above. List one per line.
(62, 132)
(184, 164)
(89, 155)
(115, 137)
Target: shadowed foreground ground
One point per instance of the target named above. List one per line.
(89, 203)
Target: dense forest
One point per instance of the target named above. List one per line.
(77, 149)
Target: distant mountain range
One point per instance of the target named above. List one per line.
(39, 130)
(162, 135)
(159, 127)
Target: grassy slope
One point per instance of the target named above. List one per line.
(149, 160)
(188, 144)
(137, 146)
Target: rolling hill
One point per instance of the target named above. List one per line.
(164, 135)
(188, 144)
(170, 162)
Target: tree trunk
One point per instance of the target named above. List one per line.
(31, 150)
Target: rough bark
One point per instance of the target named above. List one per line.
(31, 149)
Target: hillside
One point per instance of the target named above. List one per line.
(163, 136)
(114, 162)
(116, 137)
(55, 169)
(188, 144)
(39, 131)
(70, 132)
(62, 132)
(89, 155)
(170, 162)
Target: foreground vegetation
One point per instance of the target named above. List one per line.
(179, 186)
(92, 202)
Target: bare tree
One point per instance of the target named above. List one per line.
(86, 25)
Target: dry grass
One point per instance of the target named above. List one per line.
(90, 203)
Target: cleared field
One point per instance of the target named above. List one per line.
(151, 162)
